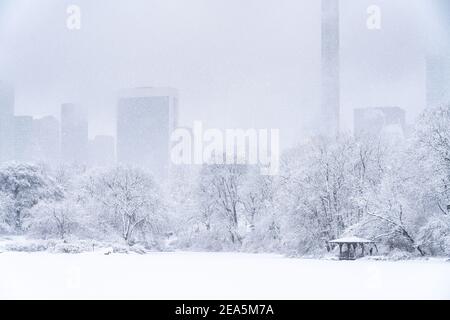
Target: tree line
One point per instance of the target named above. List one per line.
(387, 188)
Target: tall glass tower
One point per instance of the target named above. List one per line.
(330, 99)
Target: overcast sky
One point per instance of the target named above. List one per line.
(236, 63)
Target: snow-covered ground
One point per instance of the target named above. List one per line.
(216, 276)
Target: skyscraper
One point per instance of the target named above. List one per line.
(74, 134)
(145, 119)
(47, 140)
(330, 99)
(6, 122)
(102, 151)
(23, 138)
(438, 80)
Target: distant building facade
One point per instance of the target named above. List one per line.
(102, 151)
(146, 118)
(74, 134)
(6, 122)
(438, 80)
(23, 139)
(376, 121)
(47, 142)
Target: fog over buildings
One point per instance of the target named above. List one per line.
(296, 65)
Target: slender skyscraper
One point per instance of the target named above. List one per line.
(146, 118)
(330, 101)
(6, 122)
(74, 134)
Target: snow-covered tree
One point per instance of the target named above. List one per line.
(58, 219)
(128, 202)
(318, 184)
(26, 185)
(390, 216)
(7, 216)
(260, 212)
(431, 153)
(182, 198)
(220, 187)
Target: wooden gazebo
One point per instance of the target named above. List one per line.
(348, 247)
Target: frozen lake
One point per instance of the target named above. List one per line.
(215, 276)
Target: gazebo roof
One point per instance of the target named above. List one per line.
(351, 240)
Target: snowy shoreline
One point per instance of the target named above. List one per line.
(21, 244)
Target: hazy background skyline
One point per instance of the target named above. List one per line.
(235, 63)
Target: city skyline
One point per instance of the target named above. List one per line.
(226, 78)
(327, 118)
(65, 140)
